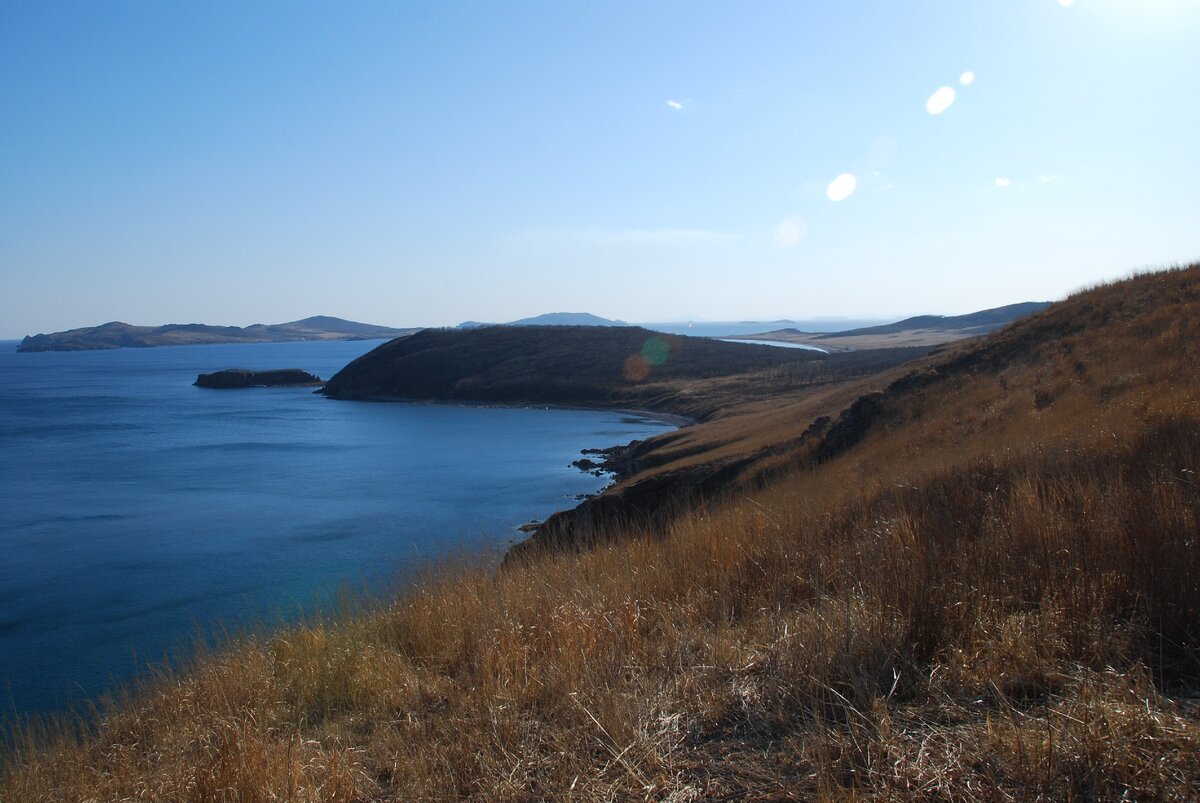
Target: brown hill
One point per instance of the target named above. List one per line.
(977, 578)
(1073, 364)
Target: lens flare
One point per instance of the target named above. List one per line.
(967, 78)
(841, 187)
(791, 231)
(655, 351)
(940, 101)
(636, 368)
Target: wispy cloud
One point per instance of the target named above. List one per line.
(618, 238)
(677, 105)
(1044, 180)
(655, 236)
(790, 231)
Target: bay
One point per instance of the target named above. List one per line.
(138, 512)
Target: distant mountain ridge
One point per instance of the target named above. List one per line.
(922, 330)
(981, 322)
(551, 319)
(116, 334)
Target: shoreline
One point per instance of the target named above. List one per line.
(675, 420)
(619, 460)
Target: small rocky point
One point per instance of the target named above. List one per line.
(244, 378)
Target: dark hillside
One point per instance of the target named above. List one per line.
(570, 365)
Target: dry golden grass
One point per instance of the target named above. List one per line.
(994, 594)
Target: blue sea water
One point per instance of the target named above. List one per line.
(138, 512)
(782, 344)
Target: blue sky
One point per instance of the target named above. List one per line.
(415, 163)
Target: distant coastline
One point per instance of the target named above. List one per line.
(115, 334)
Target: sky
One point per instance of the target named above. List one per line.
(425, 163)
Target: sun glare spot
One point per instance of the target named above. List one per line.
(791, 231)
(841, 187)
(967, 78)
(655, 351)
(1066, 3)
(636, 368)
(940, 101)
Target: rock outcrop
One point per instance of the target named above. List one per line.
(245, 378)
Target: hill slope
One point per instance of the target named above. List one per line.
(976, 578)
(923, 330)
(115, 334)
(976, 323)
(572, 365)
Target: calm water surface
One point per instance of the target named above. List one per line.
(783, 344)
(137, 511)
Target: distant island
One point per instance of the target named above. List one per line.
(245, 378)
(117, 335)
(922, 330)
(551, 319)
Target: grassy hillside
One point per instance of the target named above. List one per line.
(978, 579)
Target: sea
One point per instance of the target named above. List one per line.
(141, 516)
(776, 343)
